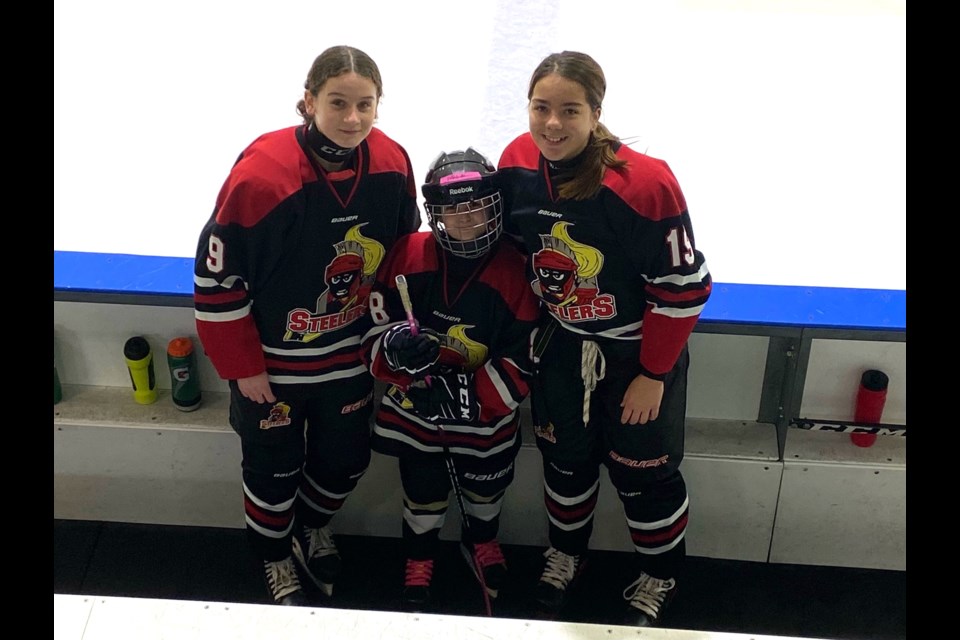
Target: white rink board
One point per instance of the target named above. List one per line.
(116, 461)
(116, 618)
(830, 393)
(842, 505)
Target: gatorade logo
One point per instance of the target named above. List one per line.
(181, 374)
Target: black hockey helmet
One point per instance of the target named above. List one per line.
(459, 186)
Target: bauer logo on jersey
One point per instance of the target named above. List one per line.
(565, 277)
(486, 477)
(349, 278)
(653, 463)
(279, 416)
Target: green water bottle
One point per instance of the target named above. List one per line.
(139, 359)
(184, 382)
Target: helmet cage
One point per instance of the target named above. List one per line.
(459, 184)
(448, 220)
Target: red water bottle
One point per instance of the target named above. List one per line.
(871, 397)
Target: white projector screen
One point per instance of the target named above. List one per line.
(785, 121)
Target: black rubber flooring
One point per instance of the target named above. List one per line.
(208, 564)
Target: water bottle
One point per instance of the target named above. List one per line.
(871, 398)
(139, 359)
(183, 374)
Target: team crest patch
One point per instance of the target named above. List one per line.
(566, 273)
(279, 416)
(349, 278)
(545, 432)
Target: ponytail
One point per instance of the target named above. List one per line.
(599, 155)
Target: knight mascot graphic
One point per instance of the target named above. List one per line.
(349, 278)
(565, 277)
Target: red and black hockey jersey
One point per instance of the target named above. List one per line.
(621, 265)
(485, 319)
(287, 260)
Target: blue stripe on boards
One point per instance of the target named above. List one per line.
(793, 306)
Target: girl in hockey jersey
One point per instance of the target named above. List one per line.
(282, 280)
(456, 374)
(612, 256)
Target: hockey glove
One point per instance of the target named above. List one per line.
(448, 398)
(410, 353)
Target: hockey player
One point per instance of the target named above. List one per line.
(612, 256)
(283, 273)
(457, 376)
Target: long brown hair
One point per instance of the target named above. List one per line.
(334, 62)
(584, 70)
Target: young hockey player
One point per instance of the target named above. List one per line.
(283, 274)
(457, 373)
(612, 257)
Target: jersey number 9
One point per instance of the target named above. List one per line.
(215, 255)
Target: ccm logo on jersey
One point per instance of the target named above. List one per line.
(464, 396)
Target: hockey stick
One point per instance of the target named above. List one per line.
(843, 426)
(404, 292)
(452, 471)
(401, 282)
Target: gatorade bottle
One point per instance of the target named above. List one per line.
(183, 374)
(139, 359)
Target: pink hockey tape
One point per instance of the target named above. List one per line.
(460, 177)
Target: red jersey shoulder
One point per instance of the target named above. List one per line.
(507, 262)
(386, 155)
(270, 169)
(413, 253)
(646, 184)
(521, 153)
(505, 274)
